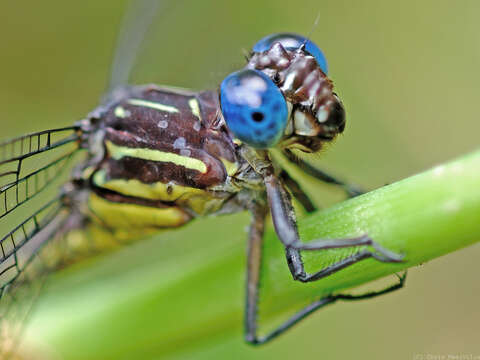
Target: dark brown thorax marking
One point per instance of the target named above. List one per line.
(185, 128)
(165, 150)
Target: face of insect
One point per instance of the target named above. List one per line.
(283, 97)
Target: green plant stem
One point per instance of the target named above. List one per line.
(154, 304)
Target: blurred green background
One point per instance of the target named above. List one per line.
(407, 74)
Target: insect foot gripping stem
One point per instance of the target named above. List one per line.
(381, 254)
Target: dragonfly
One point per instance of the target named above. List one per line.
(151, 158)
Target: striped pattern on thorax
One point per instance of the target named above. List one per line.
(164, 146)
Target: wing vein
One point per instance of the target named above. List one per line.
(58, 164)
(39, 150)
(38, 226)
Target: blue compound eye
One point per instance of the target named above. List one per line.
(291, 42)
(254, 108)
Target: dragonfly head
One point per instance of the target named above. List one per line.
(283, 97)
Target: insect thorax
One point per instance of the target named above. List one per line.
(160, 157)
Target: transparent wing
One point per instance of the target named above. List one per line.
(21, 177)
(32, 214)
(15, 254)
(139, 42)
(136, 22)
(25, 271)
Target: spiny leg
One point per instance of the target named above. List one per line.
(371, 294)
(297, 191)
(254, 259)
(252, 288)
(283, 216)
(350, 190)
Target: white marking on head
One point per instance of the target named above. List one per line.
(289, 80)
(303, 124)
(163, 124)
(264, 60)
(282, 62)
(311, 78)
(322, 114)
(314, 88)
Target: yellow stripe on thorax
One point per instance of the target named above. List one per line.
(119, 152)
(152, 105)
(133, 217)
(198, 200)
(136, 188)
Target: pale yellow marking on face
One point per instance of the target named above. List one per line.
(120, 112)
(153, 105)
(119, 152)
(193, 103)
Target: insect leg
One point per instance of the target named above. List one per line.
(297, 192)
(372, 294)
(254, 259)
(254, 266)
(283, 216)
(350, 190)
(254, 339)
(18, 295)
